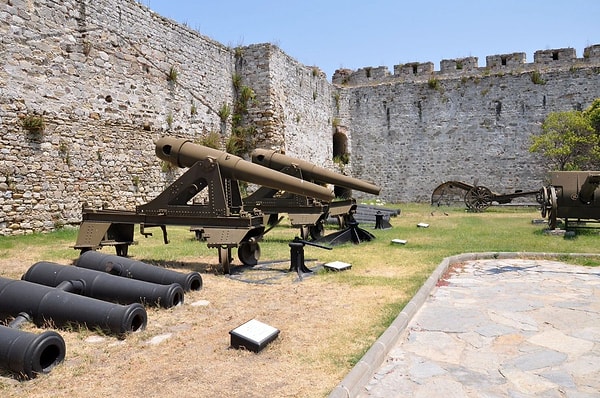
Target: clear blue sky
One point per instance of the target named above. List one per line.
(355, 34)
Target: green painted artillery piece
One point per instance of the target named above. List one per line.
(572, 196)
(225, 221)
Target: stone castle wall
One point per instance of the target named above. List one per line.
(417, 128)
(99, 74)
(293, 110)
(110, 76)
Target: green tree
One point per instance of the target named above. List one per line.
(568, 141)
(593, 115)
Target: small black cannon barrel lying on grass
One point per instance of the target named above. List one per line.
(103, 286)
(28, 354)
(125, 267)
(43, 304)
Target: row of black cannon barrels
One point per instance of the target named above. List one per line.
(101, 291)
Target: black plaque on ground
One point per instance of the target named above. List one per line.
(253, 335)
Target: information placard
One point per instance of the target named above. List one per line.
(253, 335)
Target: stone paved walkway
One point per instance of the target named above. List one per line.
(500, 328)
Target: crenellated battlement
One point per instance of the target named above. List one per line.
(504, 63)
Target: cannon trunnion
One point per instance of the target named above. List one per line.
(571, 195)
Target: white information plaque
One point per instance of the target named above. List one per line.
(337, 265)
(253, 335)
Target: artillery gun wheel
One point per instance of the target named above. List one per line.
(304, 232)
(225, 258)
(478, 198)
(343, 220)
(552, 208)
(122, 250)
(543, 199)
(249, 253)
(316, 231)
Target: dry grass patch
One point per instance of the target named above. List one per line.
(320, 324)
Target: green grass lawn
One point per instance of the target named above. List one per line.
(451, 231)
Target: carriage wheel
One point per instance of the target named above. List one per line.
(122, 249)
(552, 208)
(542, 198)
(316, 231)
(304, 232)
(225, 258)
(249, 253)
(478, 198)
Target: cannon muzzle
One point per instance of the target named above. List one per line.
(29, 354)
(44, 303)
(103, 286)
(278, 161)
(184, 153)
(128, 268)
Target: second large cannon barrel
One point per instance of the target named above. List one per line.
(29, 354)
(275, 160)
(184, 153)
(103, 286)
(44, 303)
(128, 268)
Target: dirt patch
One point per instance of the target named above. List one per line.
(185, 350)
(452, 270)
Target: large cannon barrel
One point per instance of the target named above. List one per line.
(125, 267)
(589, 186)
(103, 286)
(274, 160)
(185, 153)
(28, 354)
(44, 303)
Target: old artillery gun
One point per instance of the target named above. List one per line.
(61, 306)
(225, 221)
(476, 197)
(132, 269)
(571, 195)
(305, 212)
(104, 286)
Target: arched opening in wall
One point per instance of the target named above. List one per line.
(341, 157)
